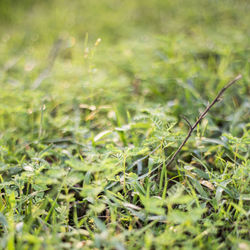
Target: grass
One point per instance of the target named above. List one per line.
(91, 99)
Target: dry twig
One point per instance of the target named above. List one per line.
(203, 114)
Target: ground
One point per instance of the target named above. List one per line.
(92, 100)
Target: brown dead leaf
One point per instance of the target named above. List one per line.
(207, 184)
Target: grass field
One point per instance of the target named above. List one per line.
(92, 99)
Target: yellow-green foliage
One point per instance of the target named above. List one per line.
(91, 98)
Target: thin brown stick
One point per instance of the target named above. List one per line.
(187, 121)
(203, 114)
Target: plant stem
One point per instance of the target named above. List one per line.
(203, 114)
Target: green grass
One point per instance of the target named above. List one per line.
(87, 125)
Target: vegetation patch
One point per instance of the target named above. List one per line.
(103, 139)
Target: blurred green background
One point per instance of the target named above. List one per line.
(150, 51)
(127, 54)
